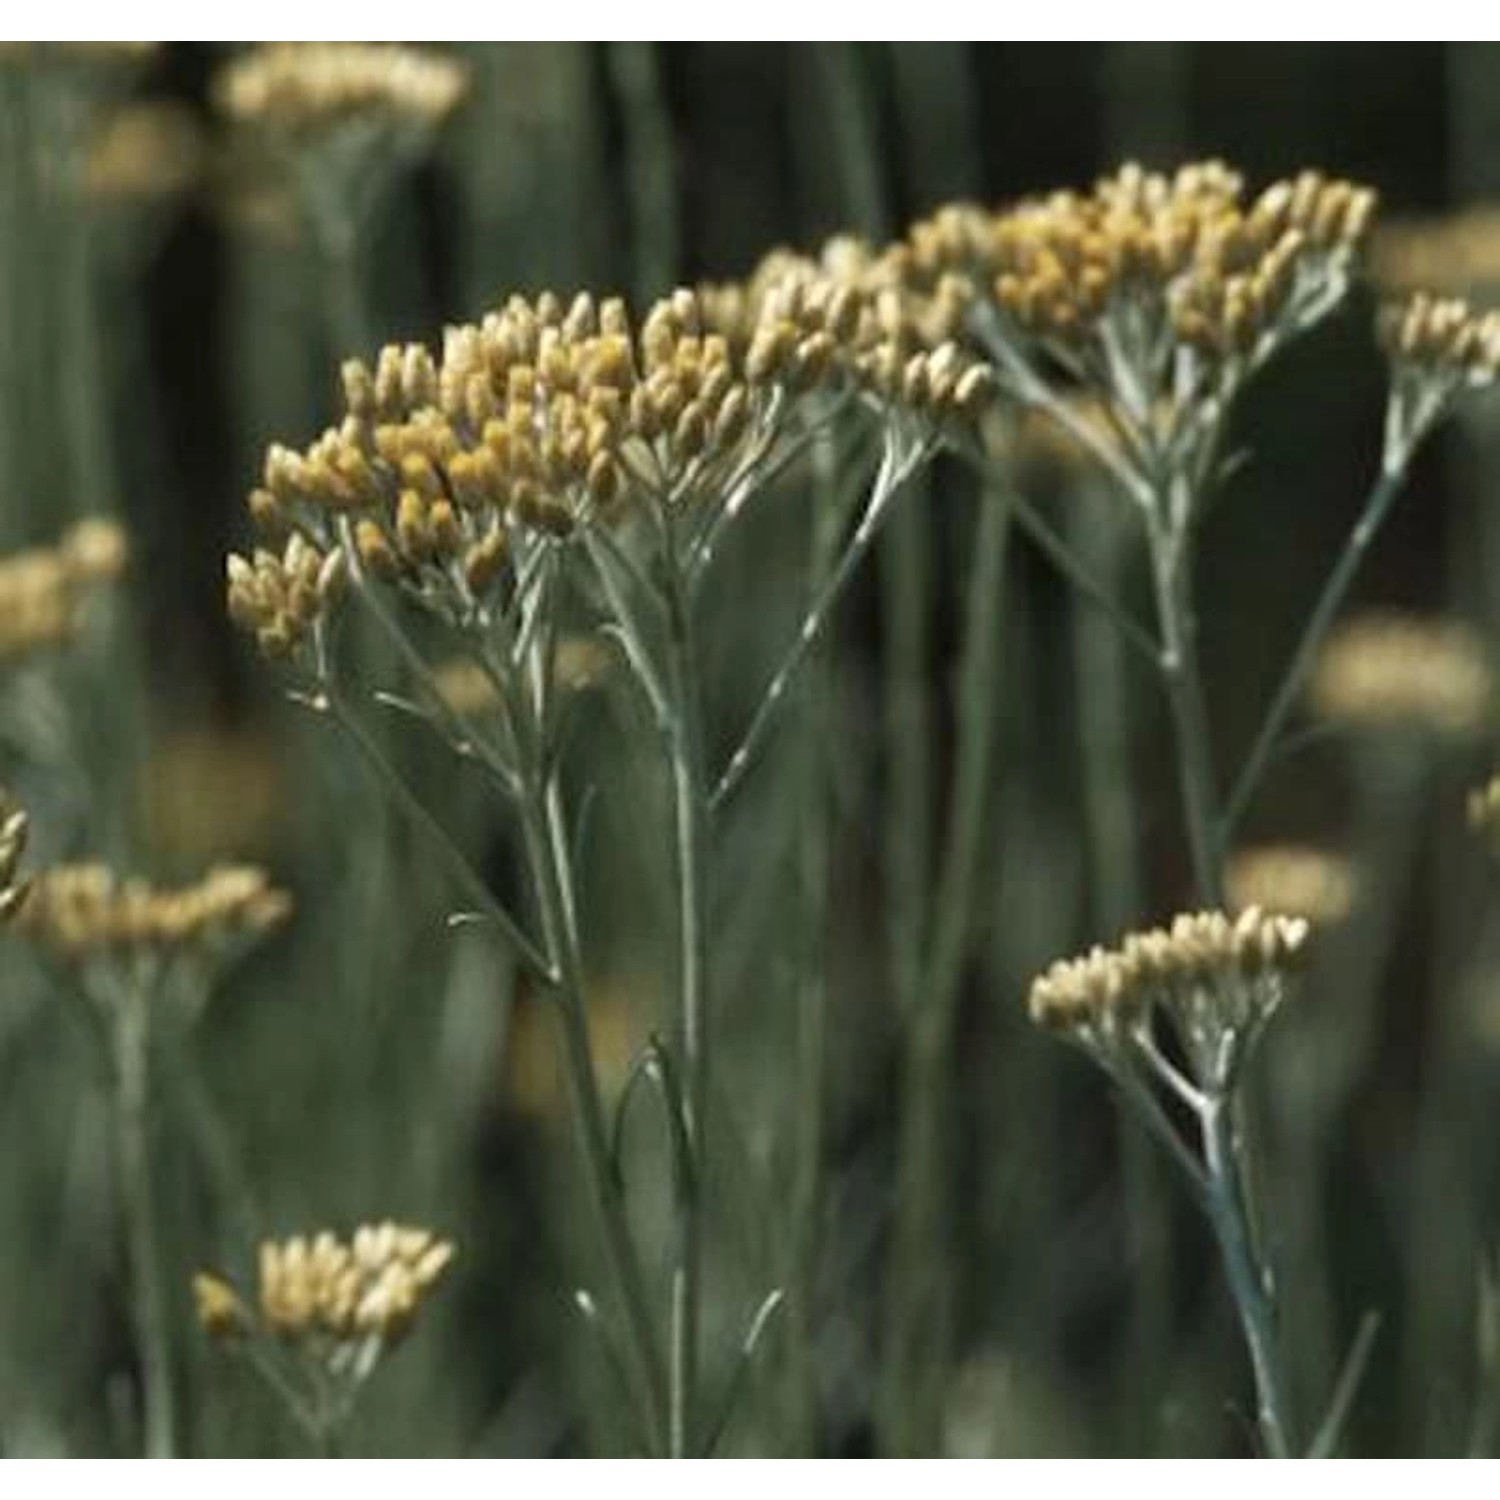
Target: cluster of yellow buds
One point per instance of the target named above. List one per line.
(43, 589)
(329, 1296)
(1460, 250)
(1146, 263)
(85, 911)
(144, 152)
(1393, 671)
(1292, 880)
(547, 416)
(301, 89)
(278, 597)
(1219, 979)
(1442, 337)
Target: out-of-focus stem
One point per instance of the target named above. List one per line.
(814, 835)
(1184, 688)
(649, 167)
(919, 1307)
(148, 1303)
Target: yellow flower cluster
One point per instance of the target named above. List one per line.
(144, 151)
(1390, 670)
(1461, 250)
(1292, 880)
(279, 596)
(1208, 968)
(1146, 261)
(81, 911)
(1442, 338)
(323, 1290)
(547, 416)
(301, 89)
(43, 589)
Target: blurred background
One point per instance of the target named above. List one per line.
(165, 316)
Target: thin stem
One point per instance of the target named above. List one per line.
(331, 702)
(919, 1305)
(132, 1123)
(1376, 507)
(690, 831)
(1248, 1282)
(814, 832)
(1184, 687)
(539, 815)
(649, 166)
(896, 468)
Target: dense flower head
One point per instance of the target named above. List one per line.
(1292, 880)
(330, 1295)
(1433, 336)
(81, 911)
(1390, 670)
(1218, 979)
(302, 89)
(43, 590)
(144, 151)
(1147, 263)
(1460, 251)
(446, 473)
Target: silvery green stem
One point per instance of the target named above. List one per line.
(814, 835)
(1184, 687)
(148, 1303)
(1335, 588)
(1249, 1283)
(690, 832)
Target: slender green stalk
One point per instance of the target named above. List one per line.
(148, 1302)
(897, 466)
(1184, 688)
(920, 1308)
(1335, 588)
(635, 68)
(560, 938)
(690, 832)
(1229, 1214)
(814, 835)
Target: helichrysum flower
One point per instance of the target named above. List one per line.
(43, 590)
(1152, 285)
(334, 1302)
(447, 474)
(85, 912)
(1291, 880)
(306, 89)
(1214, 979)
(1395, 671)
(1459, 250)
(1438, 348)
(144, 152)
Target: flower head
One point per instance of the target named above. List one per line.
(1292, 880)
(1388, 671)
(339, 1304)
(305, 89)
(44, 590)
(85, 912)
(1214, 979)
